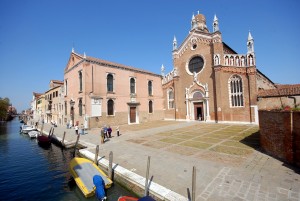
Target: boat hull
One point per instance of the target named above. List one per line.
(83, 171)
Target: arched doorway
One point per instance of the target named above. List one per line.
(198, 111)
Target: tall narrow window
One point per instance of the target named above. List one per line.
(110, 83)
(150, 88)
(132, 85)
(170, 98)
(236, 91)
(66, 87)
(66, 108)
(150, 106)
(80, 107)
(80, 80)
(110, 107)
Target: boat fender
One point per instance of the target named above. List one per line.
(100, 187)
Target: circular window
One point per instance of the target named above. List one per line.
(196, 64)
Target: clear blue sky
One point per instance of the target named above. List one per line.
(36, 36)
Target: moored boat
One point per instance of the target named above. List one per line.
(83, 172)
(26, 129)
(127, 198)
(43, 140)
(33, 134)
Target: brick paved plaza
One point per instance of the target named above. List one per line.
(227, 157)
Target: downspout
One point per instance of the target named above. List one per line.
(294, 100)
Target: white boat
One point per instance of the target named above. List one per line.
(33, 134)
(26, 129)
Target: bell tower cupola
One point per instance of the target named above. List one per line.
(199, 23)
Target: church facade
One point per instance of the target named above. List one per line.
(209, 80)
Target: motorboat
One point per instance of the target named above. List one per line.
(26, 129)
(43, 140)
(33, 134)
(84, 172)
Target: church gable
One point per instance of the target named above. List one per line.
(73, 60)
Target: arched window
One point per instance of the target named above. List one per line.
(150, 106)
(80, 107)
(170, 98)
(150, 88)
(236, 91)
(132, 85)
(110, 83)
(80, 80)
(110, 107)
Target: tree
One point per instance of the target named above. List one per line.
(4, 104)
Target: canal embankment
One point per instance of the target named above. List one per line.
(86, 145)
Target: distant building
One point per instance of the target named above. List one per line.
(54, 111)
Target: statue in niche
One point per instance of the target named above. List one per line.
(195, 76)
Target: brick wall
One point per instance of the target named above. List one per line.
(280, 134)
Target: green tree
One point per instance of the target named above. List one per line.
(4, 104)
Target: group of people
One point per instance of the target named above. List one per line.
(106, 133)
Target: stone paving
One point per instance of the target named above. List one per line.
(229, 163)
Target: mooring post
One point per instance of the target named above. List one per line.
(147, 176)
(96, 155)
(76, 145)
(110, 164)
(63, 139)
(194, 184)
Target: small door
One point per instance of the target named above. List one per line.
(132, 114)
(198, 111)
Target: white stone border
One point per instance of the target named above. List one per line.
(156, 189)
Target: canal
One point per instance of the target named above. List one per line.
(31, 172)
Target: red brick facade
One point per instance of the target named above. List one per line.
(280, 134)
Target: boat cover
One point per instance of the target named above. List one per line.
(99, 183)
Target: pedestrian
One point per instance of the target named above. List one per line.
(102, 135)
(76, 129)
(109, 130)
(118, 131)
(105, 132)
(81, 129)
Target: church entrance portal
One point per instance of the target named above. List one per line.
(198, 111)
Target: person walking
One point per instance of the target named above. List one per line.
(105, 132)
(109, 130)
(118, 131)
(76, 129)
(102, 135)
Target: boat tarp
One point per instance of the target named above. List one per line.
(86, 172)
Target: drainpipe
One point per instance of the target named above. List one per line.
(249, 93)
(291, 97)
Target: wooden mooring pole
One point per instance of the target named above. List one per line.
(110, 164)
(194, 184)
(63, 139)
(147, 176)
(76, 145)
(96, 155)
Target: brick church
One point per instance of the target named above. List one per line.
(209, 82)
